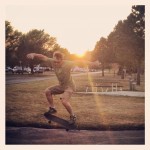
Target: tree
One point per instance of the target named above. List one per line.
(35, 41)
(100, 52)
(138, 13)
(128, 40)
(119, 42)
(57, 47)
(18, 45)
(12, 41)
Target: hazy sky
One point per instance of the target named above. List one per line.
(76, 27)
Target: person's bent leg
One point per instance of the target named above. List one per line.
(67, 105)
(49, 97)
(65, 99)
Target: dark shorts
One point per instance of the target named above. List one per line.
(66, 93)
(56, 90)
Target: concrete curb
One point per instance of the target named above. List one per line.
(28, 135)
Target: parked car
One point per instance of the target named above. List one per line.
(38, 70)
(47, 68)
(17, 69)
(9, 69)
(27, 69)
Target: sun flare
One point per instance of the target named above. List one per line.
(80, 55)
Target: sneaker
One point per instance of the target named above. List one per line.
(51, 111)
(72, 119)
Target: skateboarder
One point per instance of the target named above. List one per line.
(66, 87)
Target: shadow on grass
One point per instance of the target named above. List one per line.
(100, 127)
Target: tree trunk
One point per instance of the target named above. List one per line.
(31, 66)
(122, 74)
(102, 70)
(32, 69)
(22, 68)
(138, 73)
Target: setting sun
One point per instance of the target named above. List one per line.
(80, 55)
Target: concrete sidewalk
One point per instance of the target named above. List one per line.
(28, 135)
(117, 93)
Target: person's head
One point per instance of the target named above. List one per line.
(58, 58)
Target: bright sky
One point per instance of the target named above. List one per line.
(76, 27)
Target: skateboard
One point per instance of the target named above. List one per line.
(61, 121)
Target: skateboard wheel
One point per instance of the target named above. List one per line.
(49, 121)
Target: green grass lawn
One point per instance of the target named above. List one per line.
(26, 103)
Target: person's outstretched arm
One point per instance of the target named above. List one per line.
(37, 56)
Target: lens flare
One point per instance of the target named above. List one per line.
(99, 105)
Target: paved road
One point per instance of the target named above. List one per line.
(11, 79)
(27, 135)
(18, 80)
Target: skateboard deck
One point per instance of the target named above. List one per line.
(61, 121)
